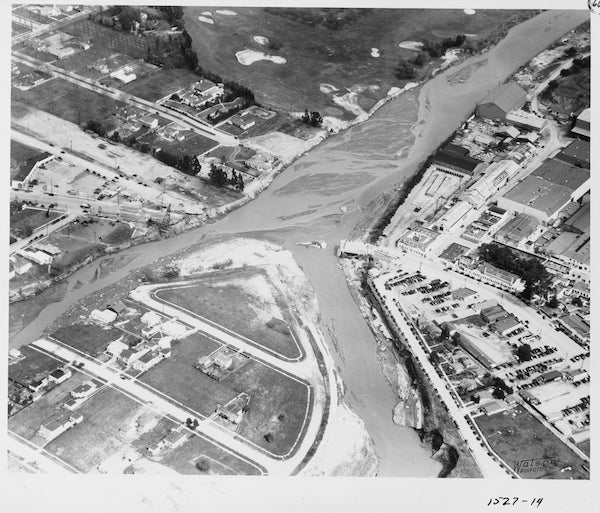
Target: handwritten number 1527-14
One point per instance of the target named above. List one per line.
(513, 501)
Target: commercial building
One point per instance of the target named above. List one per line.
(495, 177)
(493, 313)
(487, 273)
(517, 230)
(526, 120)
(453, 163)
(577, 328)
(25, 172)
(124, 75)
(548, 190)
(507, 325)
(572, 250)
(498, 103)
(454, 215)
(418, 240)
(583, 125)
(577, 153)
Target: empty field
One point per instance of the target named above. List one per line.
(161, 83)
(218, 461)
(19, 152)
(278, 408)
(233, 307)
(33, 365)
(26, 221)
(69, 102)
(107, 418)
(516, 436)
(17, 28)
(193, 144)
(88, 338)
(177, 378)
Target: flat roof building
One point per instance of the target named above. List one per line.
(450, 162)
(526, 120)
(517, 229)
(583, 125)
(577, 153)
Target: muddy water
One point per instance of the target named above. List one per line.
(324, 195)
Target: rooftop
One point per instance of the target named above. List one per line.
(463, 292)
(580, 220)
(518, 228)
(576, 153)
(540, 194)
(445, 157)
(507, 96)
(562, 173)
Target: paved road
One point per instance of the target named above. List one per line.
(115, 94)
(485, 462)
(42, 29)
(22, 243)
(38, 455)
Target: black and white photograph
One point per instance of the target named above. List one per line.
(259, 249)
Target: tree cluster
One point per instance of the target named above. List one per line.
(537, 279)
(438, 48)
(96, 126)
(312, 118)
(524, 353)
(185, 163)
(218, 177)
(501, 389)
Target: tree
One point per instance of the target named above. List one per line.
(498, 393)
(553, 303)
(316, 119)
(445, 332)
(217, 176)
(524, 353)
(475, 398)
(115, 136)
(577, 301)
(421, 59)
(203, 465)
(240, 183)
(405, 70)
(268, 437)
(456, 338)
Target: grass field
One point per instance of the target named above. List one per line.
(278, 405)
(106, 418)
(517, 436)
(184, 458)
(177, 378)
(27, 422)
(235, 309)
(30, 219)
(19, 152)
(70, 102)
(89, 338)
(193, 144)
(17, 28)
(161, 83)
(34, 365)
(318, 55)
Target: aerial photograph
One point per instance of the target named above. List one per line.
(276, 241)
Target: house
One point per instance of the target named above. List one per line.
(175, 439)
(72, 404)
(492, 407)
(84, 390)
(241, 121)
(234, 410)
(54, 428)
(222, 360)
(165, 342)
(129, 356)
(147, 361)
(105, 316)
(125, 76)
(149, 121)
(36, 386)
(116, 347)
(499, 102)
(151, 318)
(38, 257)
(60, 375)
(173, 329)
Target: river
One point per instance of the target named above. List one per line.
(324, 195)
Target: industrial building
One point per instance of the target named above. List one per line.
(517, 230)
(526, 120)
(451, 162)
(497, 104)
(577, 153)
(495, 177)
(418, 240)
(582, 125)
(454, 215)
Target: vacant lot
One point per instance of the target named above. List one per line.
(177, 378)
(17, 28)
(214, 459)
(278, 408)
(107, 417)
(50, 406)
(24, 222)
(193, 144)
(35, 365)
(161, 83)
(235, 309)
(89, 338)
(19, 153)
(317, 55)
(70, 102)
(517, 436)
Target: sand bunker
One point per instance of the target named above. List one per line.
(411, 45)
(247, 57)
(375, 52)
(204, 19)
(206, 13)
(225, 12)
(261, 40)
(327, 88)
(470, 12)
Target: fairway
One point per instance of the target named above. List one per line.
(316, 55)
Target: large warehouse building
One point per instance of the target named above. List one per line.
(549, 189)
(501, 101)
